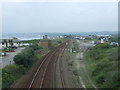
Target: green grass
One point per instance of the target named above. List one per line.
(31, 41)
(78, 81)
(85, 79)
(86, 40)
(56, 42)
(10, 74)
(102, 64)
(72, 63)
(0, 78)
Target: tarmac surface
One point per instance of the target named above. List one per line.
(8, 59)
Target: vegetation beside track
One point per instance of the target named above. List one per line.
(56, 42)
(72, 56)
(31, 41)
(0, 78)
(72, 60)
(11, 73)
(102, 64)
(27, 56)
(23, 62)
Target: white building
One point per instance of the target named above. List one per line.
(9, 42)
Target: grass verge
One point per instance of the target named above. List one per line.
(102, 63)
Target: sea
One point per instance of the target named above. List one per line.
(38, 35)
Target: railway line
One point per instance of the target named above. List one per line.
(44, 74)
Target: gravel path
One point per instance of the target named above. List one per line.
(8, 59)
(78, 68)
(81, 66)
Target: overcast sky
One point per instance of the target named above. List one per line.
(59, 17)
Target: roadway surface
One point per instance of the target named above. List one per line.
(8, 59)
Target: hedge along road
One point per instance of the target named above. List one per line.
(8, 59)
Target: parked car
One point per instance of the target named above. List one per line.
(14, 47)
(95, 42)
(3, 54)
(114, 44)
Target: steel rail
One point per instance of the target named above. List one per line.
(61, 74)
(60, 67)
(44, 59)
(47, 66)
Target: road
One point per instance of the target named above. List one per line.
(85, 46)
(8, 59)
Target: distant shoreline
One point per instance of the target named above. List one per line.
(30, 36)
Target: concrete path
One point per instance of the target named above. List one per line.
(8, 59)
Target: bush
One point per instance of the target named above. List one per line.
(26, 57)
(103, 45)
(10, 74)
(35, 47)
(35, 41)
(112, 78)
(75, 72)
(102, 63)
(101, 79)
(88, 38)
(56, 42)
(75, 46)
(23, 62)
(100, 67)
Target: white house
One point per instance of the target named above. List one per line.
(9, 42)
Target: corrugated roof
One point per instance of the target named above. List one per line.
(14, 40)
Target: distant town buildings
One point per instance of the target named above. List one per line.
(74, 37)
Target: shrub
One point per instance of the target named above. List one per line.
(35, 47)
(102, 62)
(10, 74)
(23, 62)
(75, 72)
(101, 79)
(103, 45)
(26, 57)
(32, 41)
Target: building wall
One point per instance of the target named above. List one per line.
(45, 44)
(8, 44)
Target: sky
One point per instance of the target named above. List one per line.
(23, 17)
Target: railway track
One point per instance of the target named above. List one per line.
(61, 64)
(45, 74)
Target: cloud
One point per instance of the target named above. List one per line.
(50, 17)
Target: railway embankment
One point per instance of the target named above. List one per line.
(102, 63)
(43, 74)
(96, 66)
(24, 61)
